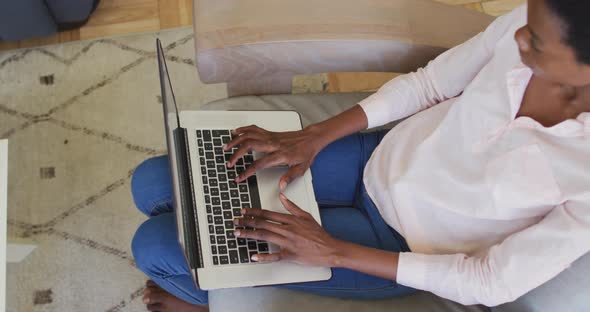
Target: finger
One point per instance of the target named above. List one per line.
(269, 215)
(291, 207)
(241, 130)
(271, 160)
(262, 235)
(262, 224)
(246, 147)
(154, 307)
(242, 138)
(267, 257)
(291, 174)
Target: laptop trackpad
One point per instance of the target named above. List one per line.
(269, 190)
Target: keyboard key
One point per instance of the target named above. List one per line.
(220, 159)
(199, 143)
(231, 243)
(227, 156)
(225, 139)
(214, 250)
(213, 182)
(240, 169)
(229, 224)
(223, 260)
(235, 202)
(237, 212)
(204, 180)
(219, 230)
(223, 187)
(208, 147)
(203, 171)
(233, 256)
(218, 220)
(206, 135)
(227, 215)
(232, 184)
(210, 156)
(222, 250)
(202, 160)
(201, 152)
(218, 151)
(246, 205)
(217, 142)
(212, 239)
(224, 132)
(244, 258)
(211, 173)
(209, 219)
(262, 246)
(210, 164)
(216, 133)
(222, 177)
(224, 196)
(217, 211)
(242, 241)
(211, 229)
(230, 234)
(208, 208)
(243, 188)
(214, 191)
(216, 201)
(248, 159)
(207, 199)
(244, 197)
(252, 245)
(231, 175)
(199, 134)
(234, 193)
(221, 239)
(215, 260)
(226, 205)
(220, 168)
(240, 162)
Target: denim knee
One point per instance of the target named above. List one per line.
(154, 244)
(151, 186)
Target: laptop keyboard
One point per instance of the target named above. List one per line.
(224, 198)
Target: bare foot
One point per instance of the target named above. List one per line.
(159, 300)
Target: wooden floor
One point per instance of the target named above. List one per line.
(119, 17)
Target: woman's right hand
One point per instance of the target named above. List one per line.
(296, 149)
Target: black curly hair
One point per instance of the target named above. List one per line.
(575, 15)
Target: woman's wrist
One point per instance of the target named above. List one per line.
(364, 259)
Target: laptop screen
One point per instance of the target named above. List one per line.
(168, 100)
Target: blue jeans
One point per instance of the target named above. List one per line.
(346, 211)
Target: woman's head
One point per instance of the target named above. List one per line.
(556, 41)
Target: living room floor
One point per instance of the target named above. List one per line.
(79, 117)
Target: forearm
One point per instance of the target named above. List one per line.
(348, 122)
(367, 260)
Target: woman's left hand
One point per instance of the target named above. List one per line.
(301, 238)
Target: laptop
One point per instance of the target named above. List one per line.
(206, 198)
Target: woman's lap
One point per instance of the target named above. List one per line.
(337, 176)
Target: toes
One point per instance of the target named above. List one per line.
(153, 297)
(154, 307)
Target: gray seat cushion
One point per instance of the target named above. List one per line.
(567, 292)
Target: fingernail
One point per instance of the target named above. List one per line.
(224, 147)
(237, 233)
(243, 211)
(255, 257)
(146, 300)
(227, 164)
(283, 185)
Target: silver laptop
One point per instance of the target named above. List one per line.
(207, 199)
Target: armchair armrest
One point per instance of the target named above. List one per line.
(256, 46)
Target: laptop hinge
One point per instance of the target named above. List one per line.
(189, 212)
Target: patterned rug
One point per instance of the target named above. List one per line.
(79, 118)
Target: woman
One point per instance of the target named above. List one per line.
(479, 198)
